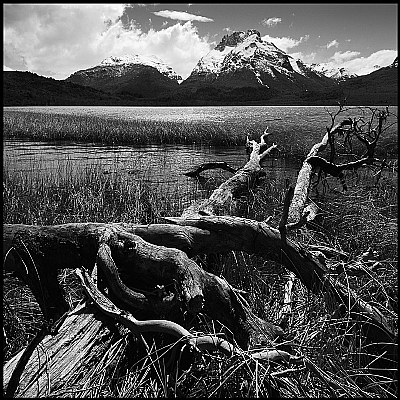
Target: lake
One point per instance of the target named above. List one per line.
(253, 115)
(164, 166)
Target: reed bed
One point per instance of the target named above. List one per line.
(86, 194)
(113, 130)
(96, 129)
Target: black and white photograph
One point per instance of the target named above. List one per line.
(200, 200)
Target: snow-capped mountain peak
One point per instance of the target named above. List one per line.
(236, 37)
(245, 60)
(235, 50)
(246, 51)
(135, 59)
(137, 75)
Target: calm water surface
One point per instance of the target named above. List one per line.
(165, 165)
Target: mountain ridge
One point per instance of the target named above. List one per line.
(24, 88)
(244, 60)
(129, 75)
(151, 61)
(242, 68)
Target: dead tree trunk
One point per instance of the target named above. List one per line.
(181, 283)
(148, 271)
(62, 360)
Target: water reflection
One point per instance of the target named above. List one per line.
(162, 167)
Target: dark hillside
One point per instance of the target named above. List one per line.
(26, 88)
(379, 87)
(136, 81)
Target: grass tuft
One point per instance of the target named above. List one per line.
(363, 218)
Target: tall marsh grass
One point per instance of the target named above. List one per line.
(364, 217)
(350, 222)
(86, 194)
(96, 129)
(293, 140)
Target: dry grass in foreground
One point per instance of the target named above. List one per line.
(352, 223)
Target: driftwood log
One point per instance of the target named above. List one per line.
(148, 271)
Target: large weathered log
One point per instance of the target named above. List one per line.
(205, 235)
(62, 361)
(46, 377)
(149, 265)
(253, 237)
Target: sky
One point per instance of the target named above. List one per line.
(56, 40)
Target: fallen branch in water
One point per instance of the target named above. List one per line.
(210, 165)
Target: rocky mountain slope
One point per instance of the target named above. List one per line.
(243, 60)
(131, 75)
(241, 69)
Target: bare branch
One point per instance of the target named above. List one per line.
(210, 165)
(268, 151)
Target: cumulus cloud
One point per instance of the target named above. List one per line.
(57, 40)
(179, 45)
(340, 57)
(351, 61)
(285, 43)
(181, 16)
(334, 43)
(364, 65)
(271, 21)
(54, 39)
(306, 58)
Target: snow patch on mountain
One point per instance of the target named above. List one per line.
(211, 63)
(336, 73)
(247, 50)
(295, 64)
(124, 61)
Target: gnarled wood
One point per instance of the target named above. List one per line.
(348, 127)
(152, 264)
(210, 234)
(45, 376)
(63, 360)
(148, 269)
